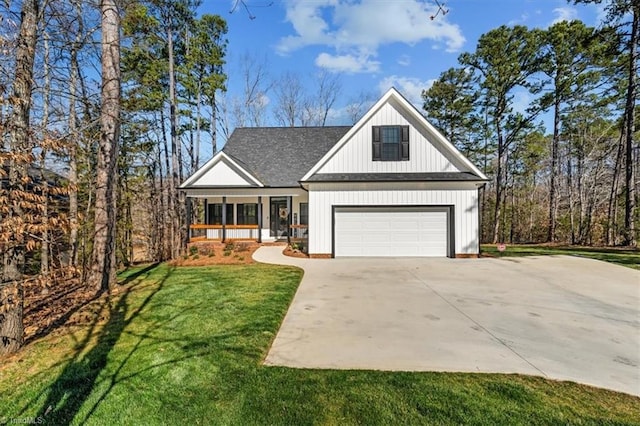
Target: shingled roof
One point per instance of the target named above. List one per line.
(281, 156)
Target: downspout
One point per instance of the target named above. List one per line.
(481, 187)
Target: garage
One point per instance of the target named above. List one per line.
(392, 231)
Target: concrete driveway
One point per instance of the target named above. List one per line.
(559, 317)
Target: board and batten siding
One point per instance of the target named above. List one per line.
(424, 156)
(326, 195)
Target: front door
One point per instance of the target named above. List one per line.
(279, 217)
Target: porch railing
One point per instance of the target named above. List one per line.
(232, 232)
(299, 231)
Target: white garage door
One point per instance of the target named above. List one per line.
(390, 231)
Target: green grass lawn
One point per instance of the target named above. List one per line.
(185, 346)
(624, 257)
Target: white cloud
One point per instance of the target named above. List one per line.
(518, 21)
(564, 14)
(404, 60)
(410, 87)
(357, 28)
(347, 63)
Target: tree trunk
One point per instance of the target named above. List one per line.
(196, 158)
(169, 190)
(551, 233)
(11, 292)
(73, 142)
(570, 190)
(176, 149)
(214, 126)
(44, 247)
(103, 257)
(613, 194)
(629, 113)
(498, 210)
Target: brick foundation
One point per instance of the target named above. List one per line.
(320, 256)
(467, 255)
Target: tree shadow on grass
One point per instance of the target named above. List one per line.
(66, 315)
(77, 380)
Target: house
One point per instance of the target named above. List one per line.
(391, 185)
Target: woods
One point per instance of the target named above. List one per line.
(564, 163)
(106, 108)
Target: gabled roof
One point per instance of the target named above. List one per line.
(284, 157)
(280, 156)
(228, 168)
(393, 95)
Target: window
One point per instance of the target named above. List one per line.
(390, 143)
(304, 213)
(247, 214)
(215, 214)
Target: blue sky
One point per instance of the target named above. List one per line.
(373, 44)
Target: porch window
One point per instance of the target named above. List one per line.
(247, 214)
(215, 214)
(390, 143)
(304, 213)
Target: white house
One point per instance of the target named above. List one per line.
(391, 185)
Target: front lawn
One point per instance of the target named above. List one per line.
(185, 345)
(619, 256)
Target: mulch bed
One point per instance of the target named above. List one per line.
(288, 251)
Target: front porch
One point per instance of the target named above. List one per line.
(251, 214)
(224, 233)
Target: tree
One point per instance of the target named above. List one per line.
(570, 50)
(20, 144)
(250, 108)
(205, 60)
(320, 103)
(290, 100)
(618, 12)
(504, 60)
(103, 267)
(450, 105)
(358, 105)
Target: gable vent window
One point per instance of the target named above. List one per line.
(390, 143)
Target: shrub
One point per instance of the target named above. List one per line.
(242, 247)
(193, 250)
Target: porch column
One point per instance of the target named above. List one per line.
(187, 202)
(259, 218)
(206, 212)
(224, 219)
(289, 204)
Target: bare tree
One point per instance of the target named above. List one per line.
(328, 89)
(357, 106)
(289, 92)
(250, 110)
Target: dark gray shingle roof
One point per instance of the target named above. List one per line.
(395, 177)
(281, 156)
